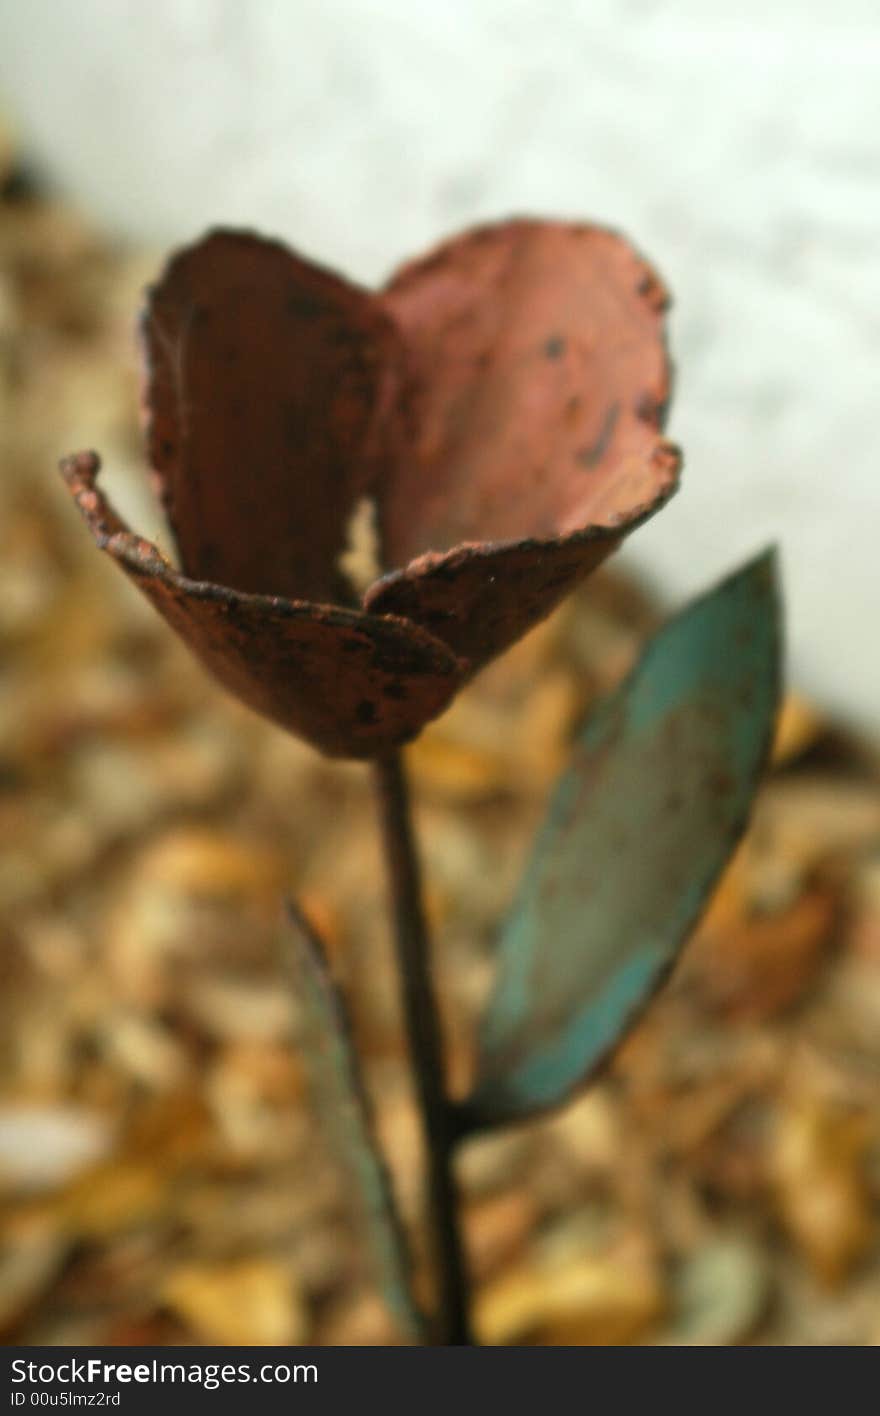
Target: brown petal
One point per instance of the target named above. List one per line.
(267, 381)
(537, 384)
(352, 684)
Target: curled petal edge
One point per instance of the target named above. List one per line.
(354, 684)
(481, 596)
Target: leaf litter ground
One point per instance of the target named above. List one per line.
(162, 1176)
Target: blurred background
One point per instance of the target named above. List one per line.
(161, 1176)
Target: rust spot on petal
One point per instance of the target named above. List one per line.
(352, 684)
(593, 455)
(266, 397)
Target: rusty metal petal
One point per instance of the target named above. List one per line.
(267, 388)
(480, 599)
(640, 826)
(343, 1105)
(352, 684)
(537, 383)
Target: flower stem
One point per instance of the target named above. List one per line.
(426, 1050)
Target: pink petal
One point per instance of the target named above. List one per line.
(537, 383)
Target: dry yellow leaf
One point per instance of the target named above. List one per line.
(818, 1165)
(247, 1303)
(31, 1253)
(454, 770)
(115, 1197)
(798, 726)
(604, 1300)
(496, 1228)
(201, 862)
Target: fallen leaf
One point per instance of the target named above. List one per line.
(819, 1169)
(718, 1295)
(766, 963)
(44, 1146)
(246, 1303)
(798, 727)
(31, 1254)
(606, 1300)
(495, 1229)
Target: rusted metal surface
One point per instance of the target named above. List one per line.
(640, 826)
(348, 682)
(481, 598)
(501, 401)
(537, 384)
(341, 1101)
(451, 1325)
(267, 391)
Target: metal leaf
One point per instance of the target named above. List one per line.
(638, 831)
(341, 1101)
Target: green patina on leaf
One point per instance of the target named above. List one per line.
(342, 1104)
(639, 829)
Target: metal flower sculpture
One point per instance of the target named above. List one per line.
(499, 405)
(500, 401)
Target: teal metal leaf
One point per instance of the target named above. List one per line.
(638, 831)
(342, 1104)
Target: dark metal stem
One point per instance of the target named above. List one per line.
(426, 1050)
